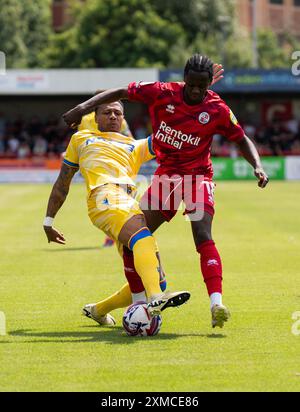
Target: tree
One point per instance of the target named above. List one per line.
(24, 31)
(11, 33)
(115, 33)
(36, 18)
(211, 28)
(204, 17)
(233, 51)
(270, 53)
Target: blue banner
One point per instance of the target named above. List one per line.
(247, 80)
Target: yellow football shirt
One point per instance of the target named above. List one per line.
(88, 122)
(107, 157)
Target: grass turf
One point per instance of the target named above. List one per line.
(49, 346)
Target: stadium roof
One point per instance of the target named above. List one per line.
(69, 81)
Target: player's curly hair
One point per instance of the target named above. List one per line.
(199, 63)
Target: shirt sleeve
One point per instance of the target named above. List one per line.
(145, 150)
(71, 157)
(88, 122)
(144, 92)
(229, 126)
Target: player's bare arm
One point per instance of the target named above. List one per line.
(250, 153)
(73, 116)
(57, 197)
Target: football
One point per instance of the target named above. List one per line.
(138, 322)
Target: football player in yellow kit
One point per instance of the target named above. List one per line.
(88, 122)
(109, 161)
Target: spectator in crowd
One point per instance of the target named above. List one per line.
(23, 150)
(13, 145)
(40, 146)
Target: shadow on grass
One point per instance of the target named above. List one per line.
(115, 335)
(72, 249)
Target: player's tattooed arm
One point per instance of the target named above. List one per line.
(60, 189)
(250, 153)
(57, 197)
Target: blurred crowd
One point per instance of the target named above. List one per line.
(25, 139)
(278, 138)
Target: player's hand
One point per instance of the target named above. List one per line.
(261, 176)
(218, 73)
(73, 117)
(53, 235)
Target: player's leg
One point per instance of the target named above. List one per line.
(136, 234)
(199, 200)
(100, 311)
(154, 218)
(131, 292)
(211, 267)
(119, 215)
(131, 274)
(101, 206)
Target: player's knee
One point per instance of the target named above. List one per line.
(139, 236)
(202, 230)
(201, 236)
(153, 218)
(132, 226)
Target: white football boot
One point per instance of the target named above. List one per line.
(105, 320)
(219, 315)
(167, 300)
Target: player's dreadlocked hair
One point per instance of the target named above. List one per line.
(199, 63)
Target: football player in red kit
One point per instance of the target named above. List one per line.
(185, 116)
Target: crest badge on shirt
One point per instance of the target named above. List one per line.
(170, 108)
(204, 117)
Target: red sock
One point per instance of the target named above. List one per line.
(135, 282)
(211, 266)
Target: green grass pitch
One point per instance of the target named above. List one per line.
(49, 346)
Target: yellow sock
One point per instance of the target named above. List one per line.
(120, 299)
(145, 262)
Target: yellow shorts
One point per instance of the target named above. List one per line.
(110, 207)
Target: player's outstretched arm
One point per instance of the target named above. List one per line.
(73, 116)
(250, 153)
(57, 197)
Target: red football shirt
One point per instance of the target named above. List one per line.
(183, 134)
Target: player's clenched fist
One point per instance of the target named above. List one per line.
(73, 117)
(262, 177)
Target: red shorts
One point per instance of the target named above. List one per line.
(166, 193)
